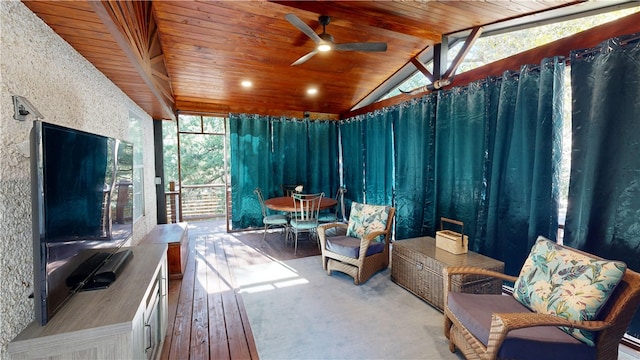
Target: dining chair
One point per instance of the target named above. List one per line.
(337, 213)
(288, 190)
(271, 221)
(305, 216)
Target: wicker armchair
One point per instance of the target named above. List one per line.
(609, 327)
(360, 258)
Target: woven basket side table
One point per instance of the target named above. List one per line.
(417, 264)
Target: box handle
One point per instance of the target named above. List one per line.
(456, 222)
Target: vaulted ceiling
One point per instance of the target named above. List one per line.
(193, 55)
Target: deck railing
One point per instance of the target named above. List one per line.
(199, 202)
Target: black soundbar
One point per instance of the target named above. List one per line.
(105, 275)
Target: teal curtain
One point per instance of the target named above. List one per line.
(267, 152)
(323, 167)
(525, 155)
(249, 145)
(497, 157)
(378, 165)
(290, 151)
(367, 157)
(414, 144)
(463, 118)
(352, 141)
(603, 214)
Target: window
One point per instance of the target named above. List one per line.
(135, 132)
(170, 153)
(489, 49)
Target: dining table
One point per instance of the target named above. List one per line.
(285, 203)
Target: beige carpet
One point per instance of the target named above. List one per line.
(297, 311)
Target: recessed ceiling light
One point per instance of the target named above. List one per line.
(312, 91)
(247, 83)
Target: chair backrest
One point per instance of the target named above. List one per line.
(258, 193)
(619, 311)
(307, 206)
(289, 190)
(366, 218)
(340, 207)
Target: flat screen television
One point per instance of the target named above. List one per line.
(81, 186)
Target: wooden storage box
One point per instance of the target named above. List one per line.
(417, 264)
(452, 242)
(176, 236)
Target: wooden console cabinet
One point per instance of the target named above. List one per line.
(128, 320)
(417, 264)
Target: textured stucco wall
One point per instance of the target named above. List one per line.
(37, 64)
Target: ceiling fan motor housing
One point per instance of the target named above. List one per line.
(324, 20)
(326, 37)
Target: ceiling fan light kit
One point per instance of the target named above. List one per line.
(325, 42)
(324, 47)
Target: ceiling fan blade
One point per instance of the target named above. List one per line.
(300, 25)
(304, 58)
(364, 46)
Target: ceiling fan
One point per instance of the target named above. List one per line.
(324, 41)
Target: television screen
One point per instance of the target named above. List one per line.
(82, 209)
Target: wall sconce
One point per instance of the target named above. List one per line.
(23, 108)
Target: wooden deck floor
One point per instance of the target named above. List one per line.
(207, 319)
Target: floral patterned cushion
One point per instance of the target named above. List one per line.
(365, 219)
(557, 280)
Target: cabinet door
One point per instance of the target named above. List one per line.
(153, 334)
(138, 336)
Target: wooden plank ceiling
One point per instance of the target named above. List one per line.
(192, 55)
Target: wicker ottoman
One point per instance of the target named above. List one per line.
(416, 265)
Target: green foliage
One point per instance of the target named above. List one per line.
(170, 152)
(202, 141)
(202, 159)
